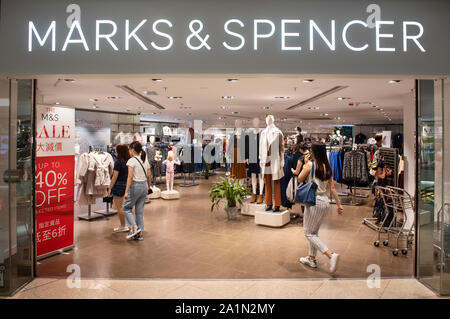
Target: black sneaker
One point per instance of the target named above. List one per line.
(138, 237)
(133, 232)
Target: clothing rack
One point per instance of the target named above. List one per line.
(390, 157)
(192, 183)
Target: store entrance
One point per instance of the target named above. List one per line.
(182, 237)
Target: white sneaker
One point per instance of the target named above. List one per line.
(133, 233)
(334, 262)
(121, 229)
(308, 262)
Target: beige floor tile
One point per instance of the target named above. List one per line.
(226, 289)
(348, 289)
(38, 282)
(90, 289)
(190, 292)
(281, 290)
(407, 289)
(142, 289)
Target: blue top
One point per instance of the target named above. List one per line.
(122, 168)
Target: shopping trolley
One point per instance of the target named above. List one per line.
(396, 201)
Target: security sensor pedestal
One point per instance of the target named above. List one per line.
(156, 193)
(170, 195)
(250, 208)
(271, 219)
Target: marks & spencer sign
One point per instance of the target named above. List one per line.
(200, 36)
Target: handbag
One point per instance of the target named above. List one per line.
(150, 191)
(306, 192)
(107, 199)
(291, 189)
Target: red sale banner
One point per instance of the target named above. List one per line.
(55, 162)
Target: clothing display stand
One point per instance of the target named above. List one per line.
(89, 216)
(185, 184)
(109, 211)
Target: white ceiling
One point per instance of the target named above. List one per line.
(202, 98)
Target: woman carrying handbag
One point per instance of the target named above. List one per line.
(317, 170)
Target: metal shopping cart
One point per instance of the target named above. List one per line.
(396, 202)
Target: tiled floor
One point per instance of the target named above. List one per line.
(45, 288)
(184, 240)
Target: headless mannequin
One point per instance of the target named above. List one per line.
(256, 177)
(238, 170)
(271, 158)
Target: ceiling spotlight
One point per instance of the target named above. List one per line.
(157, 80)
(394, 81)
(282, 97)
(57, 103)
(93, 100)
(222, 117)
(313, 108)
(266, 107)
(235, 112)
(69, 80)
(153, 113)
(232, 80)
(175, 97)
(343, 98)
(113, 97)
(225, 107)
(227, 97)
(95, 107)
(308, 80)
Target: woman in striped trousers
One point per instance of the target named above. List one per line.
(314, 215)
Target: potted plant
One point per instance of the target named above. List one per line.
(232, 191)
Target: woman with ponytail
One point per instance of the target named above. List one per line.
(138, 184)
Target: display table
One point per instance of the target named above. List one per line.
(250, 208)
(272, 219)
(170, 195)
(156, 193)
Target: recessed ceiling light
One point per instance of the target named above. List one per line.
(374, 106)
(324, 114)
(227, 97)
(394, 81)
(266, 107)
(153, 113)
(93, 100)
(69, 80)
(95, 107)
(308, 80)
(57, 103)
(232, 80)
(157, 80)
(282, 97)
(343, 98)
(222, 117)
(175, 97)
(113, 97)
(235, 112)
(313, 108)
(380, 110)
(225, 107)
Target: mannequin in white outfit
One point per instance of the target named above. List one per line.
(271, 157)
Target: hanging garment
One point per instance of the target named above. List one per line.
(355, 168)
(360, 139)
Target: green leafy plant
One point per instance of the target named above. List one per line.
(232, 191)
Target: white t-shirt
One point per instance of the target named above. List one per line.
(138, 173)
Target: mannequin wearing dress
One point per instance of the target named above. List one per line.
(271, 157)
(252, 160)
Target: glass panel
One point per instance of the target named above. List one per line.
(446, 213)
(429, 179)
(4, 188)
(21, 193)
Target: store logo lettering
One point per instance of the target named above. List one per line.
(198, 38)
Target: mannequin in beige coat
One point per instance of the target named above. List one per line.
(271, 159)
